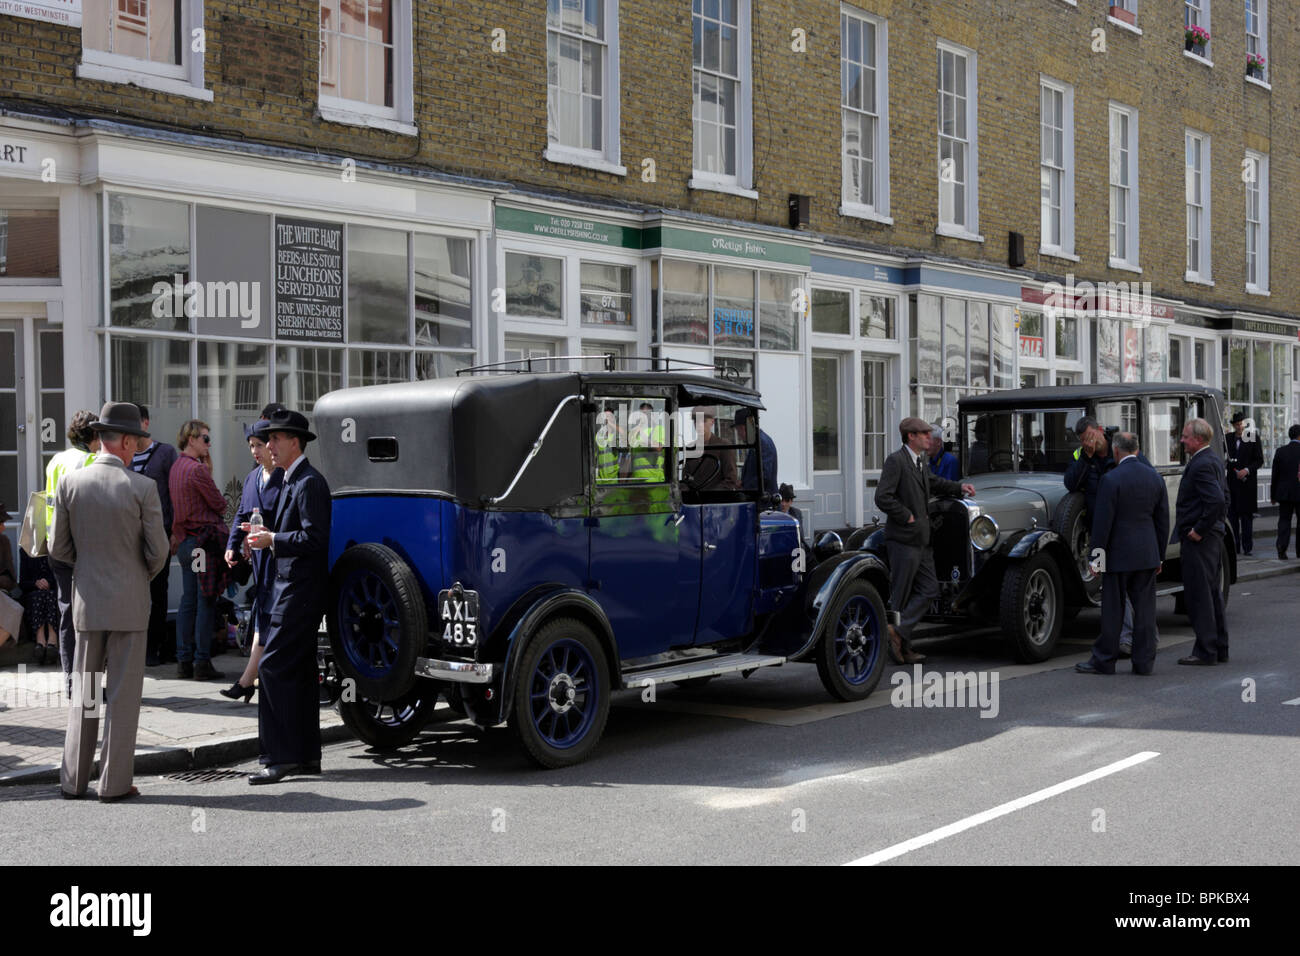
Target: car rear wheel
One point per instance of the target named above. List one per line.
(377, 620)
(387, 725)
(561, 698)
(850, 656)
(1032, 607)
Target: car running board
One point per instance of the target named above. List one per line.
(724, 664)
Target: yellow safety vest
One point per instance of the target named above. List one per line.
(648, 463)
(70, 459)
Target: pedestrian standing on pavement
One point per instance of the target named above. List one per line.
(197, 528)
(903, 494)
(40, 603)
(288, 705)
(1284, 490)
(1198, 527)
(1131, 530)
(261, 492)
(1244, 460)
(109, 529)
(156, 462)
(82, 445)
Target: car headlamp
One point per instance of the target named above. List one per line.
(983, 533)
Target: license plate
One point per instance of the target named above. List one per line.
(459, 616)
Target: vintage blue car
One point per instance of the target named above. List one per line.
(525, 544)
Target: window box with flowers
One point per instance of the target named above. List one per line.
(1255, 65)
(1195, 38)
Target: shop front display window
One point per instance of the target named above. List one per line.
(441, 274)
(685, 302)
(733, 307)
(832, 311)
(778, 320)
(29, 243)
(149, 246)
(377, 285)
(606, 292)
(534, 286)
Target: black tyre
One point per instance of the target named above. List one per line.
(387, 725)
(377, 621)
(851, 652)
(561, 697)
(1073, 523)
(1032, 607)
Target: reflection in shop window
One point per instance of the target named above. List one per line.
(685, 302)
(442, 292)
(49, 365)
(149, 243)
(233, 387)
(954, 340)
(735, 368)
(875, 316)
(534, 286)
(154, 373)
(733, 307)
(29, 243)
(1067, 338)
(303, 375)
(377, 285)
(606, 292)
(978, 315)
(832, 311)
(373, 367)
(778, 322)
(439, 364)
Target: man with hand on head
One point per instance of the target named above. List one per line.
(109, 528)
(288, 705)
(1198, 526)
(1131, 529)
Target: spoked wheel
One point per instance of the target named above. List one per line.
(561, 698)
(1032, 606)
(850, 655)
(377, 621)
(387, 725)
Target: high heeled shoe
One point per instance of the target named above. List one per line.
(237, 690)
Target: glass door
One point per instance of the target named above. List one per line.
(828, 413)
(13, 419)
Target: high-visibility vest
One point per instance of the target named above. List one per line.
(607, 464)
(648, 463)
(70, 459)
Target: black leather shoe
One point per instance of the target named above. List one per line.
(1193, 661)
(236, 690)
(185, 670)
(1088, 667)
(1125, 651)
(203, 670)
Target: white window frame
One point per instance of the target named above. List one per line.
(970, 230)
(1131, 256)
(608, 159)
(1261, 38)
(879, 210)
(1202, 19)
(185, 79)
(1201, 274)
(1261, 284)
(742, 183)
(398, 118)
(1065, 249)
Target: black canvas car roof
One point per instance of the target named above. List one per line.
(1077, 394)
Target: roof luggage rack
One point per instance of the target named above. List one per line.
(610, 362)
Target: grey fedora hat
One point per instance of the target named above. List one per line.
(121, 417)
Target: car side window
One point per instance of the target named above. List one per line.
(1164, 428)
(631, 438)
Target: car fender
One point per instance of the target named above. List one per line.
(529, 613)
(848, 568)
(1029, 544)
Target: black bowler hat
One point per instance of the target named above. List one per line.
(259, 429)
(121, 417)
(1239, 417)
(284, 420)
(787, 492)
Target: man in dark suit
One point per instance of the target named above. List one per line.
(903, 494)
(1245, 459)
(156, 462)
(1199, 526)
(749, 474)
(1131, 527)
(288, 707)
(1284, 490)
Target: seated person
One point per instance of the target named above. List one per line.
(725, 478)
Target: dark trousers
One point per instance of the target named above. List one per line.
(1121, 590)
(1285, 510)
(1242, 518)
(67, 634)
(157, 647)
(288, 698)
(1202, 596)
(913, 585)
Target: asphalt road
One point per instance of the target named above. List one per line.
(768, 770)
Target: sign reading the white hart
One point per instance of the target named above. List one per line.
(65, 12)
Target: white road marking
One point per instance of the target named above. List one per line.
(1296, 702)
(934, 836)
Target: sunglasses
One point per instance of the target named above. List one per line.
(207, 439)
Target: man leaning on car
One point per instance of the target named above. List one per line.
(903, 494)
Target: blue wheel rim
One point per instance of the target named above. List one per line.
(563, 694)
(857, 640)
(369, 626)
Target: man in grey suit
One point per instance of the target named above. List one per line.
(109, 527)
(903, 494)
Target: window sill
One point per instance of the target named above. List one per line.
(147, 81)
(345, 117)
(957, 232)
(1131, 28)
(576, 157)
(1125, 265)
(713, 186)
(1197, 280)
(1256, 290)
(1204, 61)
(1056, 253)
(856, 211)
(1262, 84)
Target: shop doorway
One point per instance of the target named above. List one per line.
(13, 418)
(829, 464)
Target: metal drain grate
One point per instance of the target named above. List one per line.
(205, 776)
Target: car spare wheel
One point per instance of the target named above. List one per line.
(1073, 523)
(561, 695)
(377, 621)
(387, 725)
(1031, 607)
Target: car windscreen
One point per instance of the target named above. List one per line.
(1030, 440)
(713, 451)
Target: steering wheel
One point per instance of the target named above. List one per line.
(996, 456)
(691, 475)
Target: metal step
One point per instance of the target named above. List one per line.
(722, 664)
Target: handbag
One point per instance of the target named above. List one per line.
(33, 538)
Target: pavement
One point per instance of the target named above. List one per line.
(186, 724)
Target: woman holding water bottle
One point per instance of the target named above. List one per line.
(256, 506)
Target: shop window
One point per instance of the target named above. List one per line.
(735, 368)
(1199, 350)
(232, 387)
(778, 320)
(1067, 338)
(440, 364)
(958, 99)
(376, 367)
(534, 286)
(29, 243)
(864, 109)
(148, 43)
(149, 245)
(1155, 352)
(233, 261)
(874, 387)
(685, 302)
(1176, 346)
(442, 291)
(365, 63)
(876, 317)
(825, 387)
(377, 285)
(1003, 327)
(1032, 339)
(721, 95)
(606, 292)
(582, 91)
(733, 307)
(155, 373)
(303, 375)
(49, 366)
(978, 318)
(832, 312)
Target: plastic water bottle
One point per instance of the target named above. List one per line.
(255, 525)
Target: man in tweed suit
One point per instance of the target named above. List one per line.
(109, 527)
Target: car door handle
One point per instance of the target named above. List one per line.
(710, 547)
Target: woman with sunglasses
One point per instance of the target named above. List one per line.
(198, 510)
